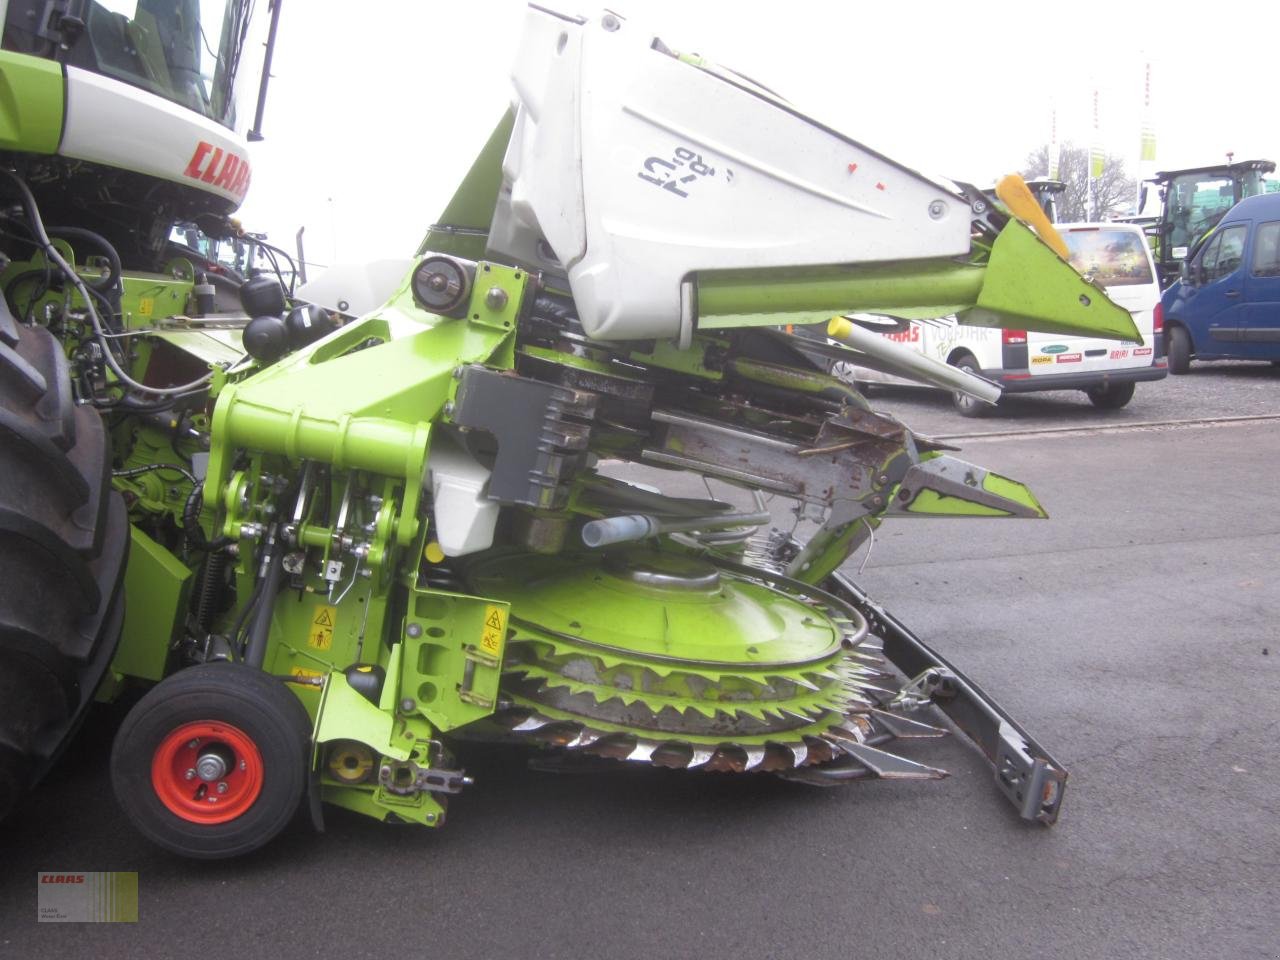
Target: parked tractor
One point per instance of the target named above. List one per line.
(1194, 199)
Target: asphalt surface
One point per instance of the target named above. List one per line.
(1210, 390)
(1132, 633)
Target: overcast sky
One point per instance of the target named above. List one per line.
(377, 109)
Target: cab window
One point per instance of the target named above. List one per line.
(1266, 250)
(1224, 253)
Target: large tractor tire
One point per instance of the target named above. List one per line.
(64, 534)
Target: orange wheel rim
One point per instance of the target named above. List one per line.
(207, 772)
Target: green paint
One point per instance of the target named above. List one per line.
(344, 714)
(1028, 286)
(800, 296)
(463, 228)
(156, 587)
(693, 361)
(453, 648)
(31, 103)
(1023, 285)
(932, 503)
(1014, 491)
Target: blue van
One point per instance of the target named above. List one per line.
(1227, 304)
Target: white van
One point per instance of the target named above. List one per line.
(1114, 256)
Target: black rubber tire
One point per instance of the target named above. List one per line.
(260, 706)
(1111, 397)
(1178, 349)
(64, 536)
(964, 404)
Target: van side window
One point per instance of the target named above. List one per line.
(1266, 250)
(1225, 253)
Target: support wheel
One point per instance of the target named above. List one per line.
(1111, 397)
(212, 762)
(966, 405)
(1178, 349)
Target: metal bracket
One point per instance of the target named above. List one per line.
(922, 689)
(405, 778)
(1024, 771)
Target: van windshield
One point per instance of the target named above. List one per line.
(1109, 257)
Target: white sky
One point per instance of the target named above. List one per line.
(377, 109)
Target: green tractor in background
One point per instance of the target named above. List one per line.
(330, 547)
(1194, 199)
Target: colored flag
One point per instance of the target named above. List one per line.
(1054, 152)
(1095, 151)
(1147, 153)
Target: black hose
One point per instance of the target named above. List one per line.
(150, 467)
(292, 264)
(191, 528)
(116, 277)
(237, 628)
(255, 651)
(23, 277)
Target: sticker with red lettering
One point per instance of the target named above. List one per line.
(1067, 358)
(1119, 354)
(1142, 352)
(221, 168)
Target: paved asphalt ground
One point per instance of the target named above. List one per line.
(1133, 634)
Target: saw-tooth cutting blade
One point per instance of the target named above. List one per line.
(904, 727)
(534, 722)
(701, 755)
(799, 753)
(558, 734)
(863, 661)
(586, 737)
(872, 688)
(616, 746)
(643, 751)
(820, 751)
(842, 732)
(889, 766)
(673, 754)
(755, 757)
(797, 715)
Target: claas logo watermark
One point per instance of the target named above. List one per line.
(89, 897)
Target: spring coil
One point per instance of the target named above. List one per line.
(212, 585)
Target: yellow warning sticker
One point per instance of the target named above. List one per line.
(302, 673)
(494, 631)
(323, 622)
(146, 306)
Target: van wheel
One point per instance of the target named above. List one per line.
(1111, 397)
(966, 405)
(1178, 349)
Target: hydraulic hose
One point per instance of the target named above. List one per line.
(255, 651)
(191, 523)
(42, 235)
